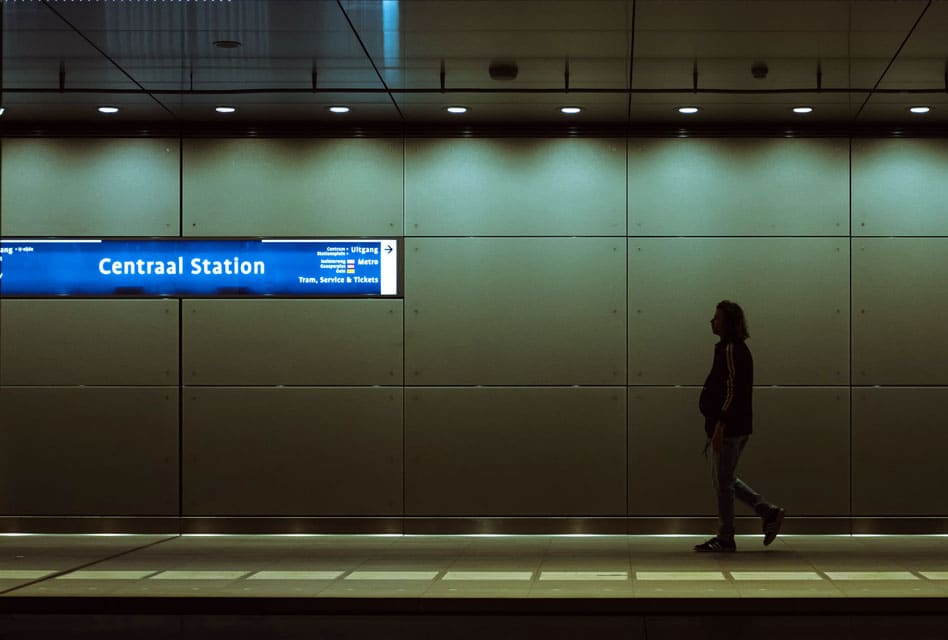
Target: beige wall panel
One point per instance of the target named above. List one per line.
(900, 301)
(292, 342)
(292, 187)
(90, 187)
(522, 311)
(668, 476)
(899, 444)
(747, 186)
(899, 186)
(292, 452)
(797, 457)
(91, 342)
(515, 452)
(562, 186)
(795, 292)
(91, 451)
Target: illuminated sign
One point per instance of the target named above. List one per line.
(198, 267)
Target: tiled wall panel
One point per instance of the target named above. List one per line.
(89, 342)
(292, 342)
(292, 187)
(798, 456)
(794, 292)
(103, 451)
(527, 312)
(89, 187)
(517, 186)
(899, 186)
(900, 302)
(738, 186)
(515, 311)
(899, 441)
(292, 452)
(668, 475)
(515, 452)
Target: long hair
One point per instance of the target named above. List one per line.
(735, 326)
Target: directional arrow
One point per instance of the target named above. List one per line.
(388, 248)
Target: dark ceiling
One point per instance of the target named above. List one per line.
(403, 62)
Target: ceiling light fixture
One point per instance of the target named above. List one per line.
(108, 110)
(803, 109)
(341, 108)
(570, 110)
(2, 109)
(223, 109)
(920, 109)
(226, 44)
(456, 109)
(688, 111)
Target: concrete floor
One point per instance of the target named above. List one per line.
(334, 566)
(467, 587)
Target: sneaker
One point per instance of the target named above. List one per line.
(716, 545)
(772, 525)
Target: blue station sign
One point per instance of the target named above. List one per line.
(202, 268)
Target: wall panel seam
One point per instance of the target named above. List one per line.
(851, 310)
(404, 331)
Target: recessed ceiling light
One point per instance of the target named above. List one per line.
(688, 111)
(570, 110)
(456, 109)
(340, 109)
(225, 109)
(803, 109)
(108, 110)
(226, 44)
(920, 109)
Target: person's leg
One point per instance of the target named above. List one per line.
(723, 467)
(746, 494)
(770, 514)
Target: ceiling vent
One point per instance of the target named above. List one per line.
(503, 70)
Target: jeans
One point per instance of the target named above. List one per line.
(727, 485)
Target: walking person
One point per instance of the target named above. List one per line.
(726, 406)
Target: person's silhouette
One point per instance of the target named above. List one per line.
(726, 406)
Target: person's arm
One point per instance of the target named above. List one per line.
(730, 384)
(717, 438)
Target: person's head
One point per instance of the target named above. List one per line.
(728, 322)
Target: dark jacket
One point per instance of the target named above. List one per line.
(726, 395)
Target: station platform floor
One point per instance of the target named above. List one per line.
(355, 586)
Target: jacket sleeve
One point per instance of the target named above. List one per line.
(737, 371)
